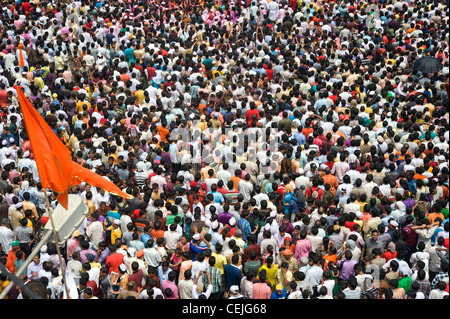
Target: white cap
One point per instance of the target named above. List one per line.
(123, 267)
(234, 289)
(196, 237)
(393, 223)
(232, 221)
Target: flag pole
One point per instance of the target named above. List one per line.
(26, 263)
(36, 250)
(63, 271)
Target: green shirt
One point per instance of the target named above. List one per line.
(252, 266)
(208, 63)
(171, 218)
(405, 283)
(260, 224)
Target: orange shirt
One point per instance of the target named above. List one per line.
(157, 234)
(125, 77)
(10, 261)
(432, 217)
(306, 131)
(329, 258)
(419, 176)
(201, 109)
(236, 181)
(163, 132)
(332, 180)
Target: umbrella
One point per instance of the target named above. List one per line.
(428, 64)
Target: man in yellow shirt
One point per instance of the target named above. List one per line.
(221, 260)
(82, 104)
(139, 94)
(28, 205)
(116, 233)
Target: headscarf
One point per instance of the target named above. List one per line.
(351, 244)
(391, 247)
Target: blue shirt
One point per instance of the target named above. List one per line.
(218, 197)
(245, 227)
(144, 238)
(163, 275)
(275, 295)
(233, 275)
(195, 249)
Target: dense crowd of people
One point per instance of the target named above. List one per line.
(273, 149)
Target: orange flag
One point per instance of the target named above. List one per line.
(82, 174)
(53, 159)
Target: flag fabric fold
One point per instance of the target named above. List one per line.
(83, 174)
(53, 159)
(57, 170)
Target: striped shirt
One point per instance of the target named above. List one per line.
(216, 279)
(245, 227)
(24, 234)
(231, 197)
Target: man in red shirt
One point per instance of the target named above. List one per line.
(249, 114)
(114, 260)
(350, 223)
(315, 188)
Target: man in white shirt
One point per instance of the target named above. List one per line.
(95, 230)
(151, 255)
(328, 283)
(314, 273)
(172, 237)
(439, 292)
(245, 187)
(6, 236)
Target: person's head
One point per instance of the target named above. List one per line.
(393, 283)
(375, 234)
(235, 259)
(348, 255)
(394, 265)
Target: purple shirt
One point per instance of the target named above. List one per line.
(103, 254)
(167, 158)
(409, 202)
(347, 268)
(289, 228)
(224, 218)
(84, 252)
